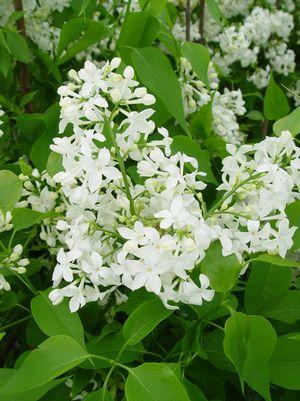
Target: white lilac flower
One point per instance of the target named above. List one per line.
(116, 233)
(226, 106)
(14, 263)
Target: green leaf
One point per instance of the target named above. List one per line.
(266, 287)
(276, 105)
(99, 396)
(216, 146)
(201, 122)
(198, 56)
(275, 260)
(40, 150)
(27, 98)
(31, 125)
(51, 359)
(25, 218)
(70, 32)
(84, 5)
(94, 31)
(293, 213)
(255, 115)
(285, 362)
(214, 10)
(155, 6)
(191, 148)
(18, 46)
(287, 310)
(213, 347)
(10, 190)
(56, 320)
(4, 61)
(291, 122)
(30, 395)
(109, 346)
(249, 342)
(143, 320)
(54, 164)
(138, 30)
(222, 271)
(49, 63)
(155, 71)
(194, 392)
(154, 382)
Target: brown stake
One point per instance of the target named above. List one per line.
(23, 70)
(201, 20)
(188, 20)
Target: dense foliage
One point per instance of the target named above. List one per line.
(149, 200)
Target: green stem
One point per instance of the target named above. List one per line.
(111, 371)
(122, 167)
(14, 323)
(231, 192)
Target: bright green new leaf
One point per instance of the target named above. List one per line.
(93, 31)
(154, 382)
(198, 56)
(18, 46)
(138, 30)
(51, 359)
(70, 32)
(155, 6)
(291, 122)
(56, 320)
(191, 148)
(249, 342)
(275, 102)
(275, 260)
(10, 190)
(25, 217)
(143, 320)
(155, 71)
(30, 395)
(285, 362)
(214, 10)
(222, 271)
(54, 164)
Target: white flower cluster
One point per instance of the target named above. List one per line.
(14, 264)
(194, 92)
(5, 221)
(134, 214)
(41, 193)
(38, 20)
(232, 8)
(263, 31)
(259, 181)
(117, 233)
(226, 106)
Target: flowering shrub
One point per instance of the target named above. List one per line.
(149, 200)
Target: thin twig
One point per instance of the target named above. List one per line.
(23, 70)
(188, 20)
(264, 128)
